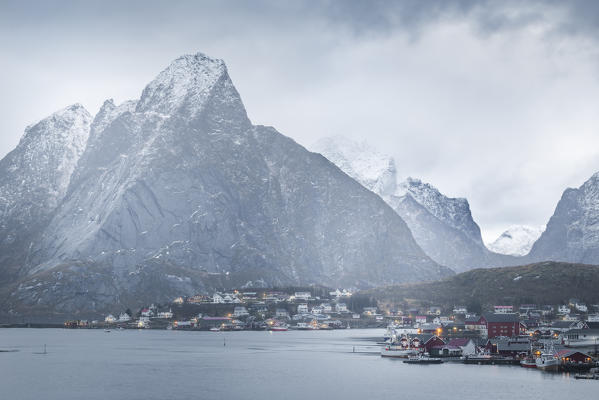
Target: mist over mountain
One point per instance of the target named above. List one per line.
(177, 193)
(517, 240)
(441, 225)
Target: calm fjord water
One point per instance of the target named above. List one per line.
(93, 364)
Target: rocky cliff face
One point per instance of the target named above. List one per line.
(178, 192)
(34, 178)
(441, 225)
(572, 233)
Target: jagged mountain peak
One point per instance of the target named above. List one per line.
(73, 118)
(109, 112)
(185, 84)
(453, 211)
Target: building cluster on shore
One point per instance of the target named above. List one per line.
(552, 338)
(243, 310)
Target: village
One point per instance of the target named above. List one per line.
(563, 336)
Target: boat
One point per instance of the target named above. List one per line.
(547, 362)
(488, 359)
(423, 359)
(279, 328)
(214, 329)
(395, 351)
(528, 362)
(107, 330)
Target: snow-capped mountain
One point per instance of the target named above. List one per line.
(517, 240)
(572, 233)
(372, 169)
(33, 181)
(178, 192)
(441, 225)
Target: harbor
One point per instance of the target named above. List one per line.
(160, 364)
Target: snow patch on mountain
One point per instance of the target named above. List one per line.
(374, 170)
(517, 240)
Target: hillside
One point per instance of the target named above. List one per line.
(540, 283)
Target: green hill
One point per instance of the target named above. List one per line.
(540, 283)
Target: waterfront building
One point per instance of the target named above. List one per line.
(507, 346)
(466, 345)
(165, 314)
(110, 319)
(240, 311)
(179, 300)
(124, 317)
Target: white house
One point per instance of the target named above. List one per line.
(466, 345)
(165, 314)
(593, 318)
(217, 299)
(504, 309)
(460, 310)
(326, 308)
(563, 309)
(178, 300)
(281, 313)
(147, 312)
(240, 311)
(110, 319)
(341, 308)
(317, 310)
(581, 307)
(302, 308)
(124, 317)
(305, 296)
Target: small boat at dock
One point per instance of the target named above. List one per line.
(423, 359)
(528, 362)
(547, 362)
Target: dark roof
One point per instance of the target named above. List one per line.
(563, 324)
(584, 331)
(568, 353)
(593, 324)
(509, 344)
(473, 318)
(458, 342)
(512, 317)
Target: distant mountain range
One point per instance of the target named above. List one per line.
(442, 226)
(176, 193)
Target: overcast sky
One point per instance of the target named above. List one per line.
(494, 101)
